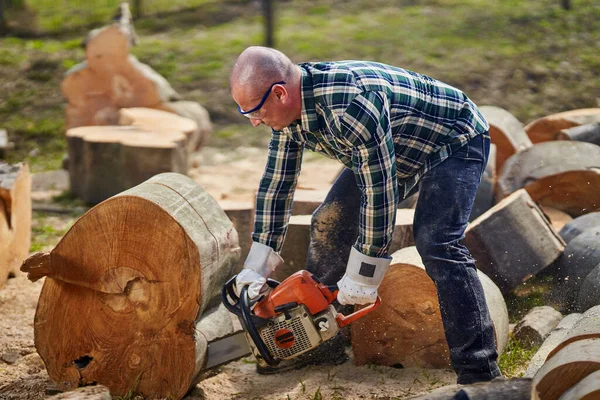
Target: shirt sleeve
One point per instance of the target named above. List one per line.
(366, 123)
(276, 190)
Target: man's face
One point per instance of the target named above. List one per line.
(271, 110)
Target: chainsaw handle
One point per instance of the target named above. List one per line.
(344, 320)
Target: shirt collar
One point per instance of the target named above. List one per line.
(308, 118)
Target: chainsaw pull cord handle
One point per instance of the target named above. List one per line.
(344, 320)
(251, 328)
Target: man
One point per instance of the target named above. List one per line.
(395, 131)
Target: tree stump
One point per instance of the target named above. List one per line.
(506, 132)
(484, 199)
(587, 389)
(549, 127)
(558, 174)
(128, 287)
(407, 329)
(587, 327)
(589, 133)
(15, 218)
(579, 225)
(537, 325)
(565, 369)
(195, 112)
(557, 335)
(513, 241)
(105, 160)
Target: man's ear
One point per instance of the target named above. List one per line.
(280, 92)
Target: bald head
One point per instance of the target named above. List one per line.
(258, 67)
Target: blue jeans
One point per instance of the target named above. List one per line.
(446, 195)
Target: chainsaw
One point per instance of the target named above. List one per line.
(296, 316)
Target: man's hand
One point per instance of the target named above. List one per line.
(259, 265)
(362, 278)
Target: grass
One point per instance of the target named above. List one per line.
(513, 362)
(47, 230)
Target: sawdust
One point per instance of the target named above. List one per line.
(226, 175)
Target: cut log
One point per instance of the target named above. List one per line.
(15, 218)
(128, 286)
(558, 219)
(111, 79)
(484, 199)
(589, 294)
(557, 174)
(506, 132)
(589, 133)
(105, 160)
(407, 329)
(533, 329)
(587, 327)
(241, 214)
(157, 121)
(579, 225)
(513, 241)
(587, 389)
(307, 200)
(195, 112)
(96, 392)
(580, 257)
(565, 369)
(549, 127)
(510, 389)
(557, 335)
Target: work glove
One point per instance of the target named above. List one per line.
(262, 260)
(362, 278)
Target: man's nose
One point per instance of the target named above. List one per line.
(255, 121)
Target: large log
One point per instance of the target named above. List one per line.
(548, 128)
(506, 132)
(15, 218)
(407, 329)
(558, 174)
(513, 241)
(579, 225)
(587, 389)
(587, 327)
(589, 294)
(106, 160)
(484, 199)
(241, 214)
(585, 133)
(565, 369)
(537, 325)
(128, 287)
(556, 337)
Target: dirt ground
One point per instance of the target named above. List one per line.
(230, 175)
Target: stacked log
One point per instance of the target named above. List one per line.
(587, 389)
(554, 180)
(513, 241)
(406, 330)
(130, 291)
(15, 218)
(533, 329)
(106, 160)
(579, 225)
(585, 133)
(548, 128)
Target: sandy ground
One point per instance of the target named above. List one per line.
(232, 175)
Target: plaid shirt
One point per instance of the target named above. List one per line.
(388, 125)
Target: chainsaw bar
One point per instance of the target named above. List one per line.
(227, 348)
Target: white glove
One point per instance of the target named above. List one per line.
(262, 260)
(362, 278)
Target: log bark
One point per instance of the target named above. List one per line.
(557, 335)
(195, 112)
(513, 241)
(106, 160)
(127, 288)
(587, 389)
(484, 199)
(589, 294)
(589, 133)
(558, 219)
(565, 369)
(241, 214)
(587, 327)
(510, 389)
(556, 174)
(153, 120)
(407, 329)
(111, 79)
(579, 225)
(15, 218)
(533, 329)
(548, 128)
(506, 132)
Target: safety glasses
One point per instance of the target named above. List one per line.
(255, 112)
